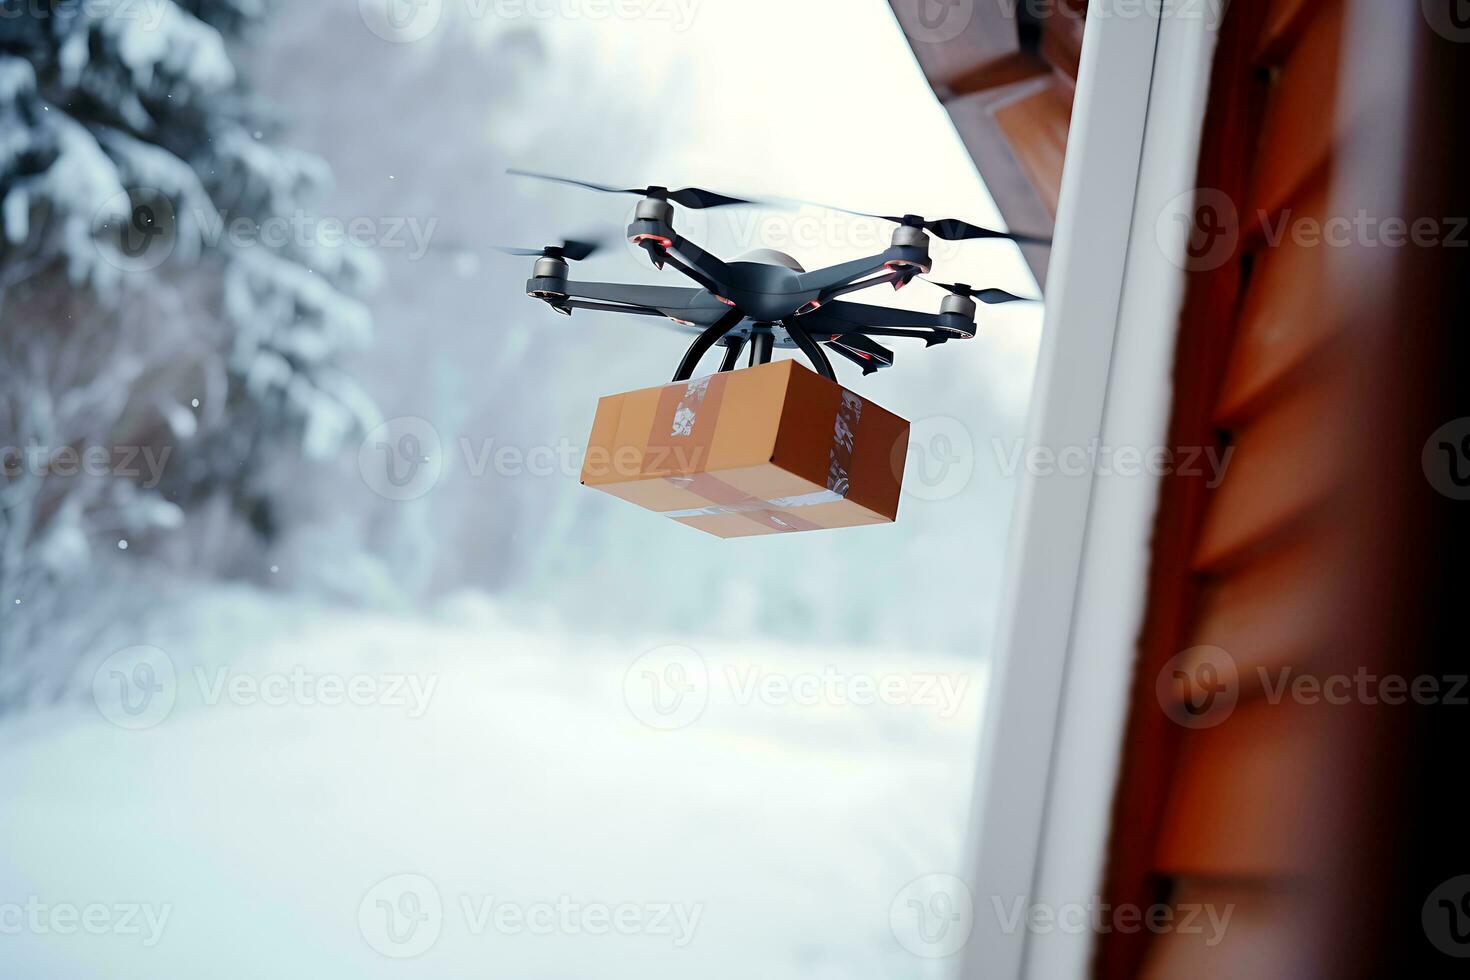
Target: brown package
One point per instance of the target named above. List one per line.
(763, 450)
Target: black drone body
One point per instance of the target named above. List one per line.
(766, 300)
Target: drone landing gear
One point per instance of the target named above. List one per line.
(711, 336)
(733, 347)
(811, 349)
(762, 342)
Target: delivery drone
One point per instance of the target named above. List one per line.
(765, 299)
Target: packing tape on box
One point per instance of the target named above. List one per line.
(751, 504)
(684, 429)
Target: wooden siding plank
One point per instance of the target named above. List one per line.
(1298, 130)
(1286, 316)
(1061, 41)
(1036, 128)
(1284, 23)
(1260, 936)
(1284, 466)
(1247, 794)
(1277, 610)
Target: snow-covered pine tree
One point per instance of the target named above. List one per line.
(141, 310)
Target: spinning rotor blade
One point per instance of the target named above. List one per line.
(690, 197)
(988, 296)
(955, 230)
(569, 249)
(949, 229)
(577, 251)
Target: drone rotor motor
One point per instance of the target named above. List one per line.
(962, 305)
(653, 229)
(653, 209)
(549, 278)
(958, 314)
(913, 244)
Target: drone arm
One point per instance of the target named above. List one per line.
(587, 304)
(658, 297)
(846, 317)
(677, 303)
(697, 264)
(847, 274)
(832, 293)
(883, 321)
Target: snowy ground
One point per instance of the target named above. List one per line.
(534, 807)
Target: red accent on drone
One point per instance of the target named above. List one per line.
(665, 242)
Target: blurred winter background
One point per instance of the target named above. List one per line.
(250, 690)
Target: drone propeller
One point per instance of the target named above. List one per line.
(949, 229)
(990, 297)
(955, 230)
(689, 197)
(570, 249)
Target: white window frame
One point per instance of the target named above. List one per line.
(1078, 561)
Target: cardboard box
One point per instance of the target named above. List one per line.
(764, 450)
